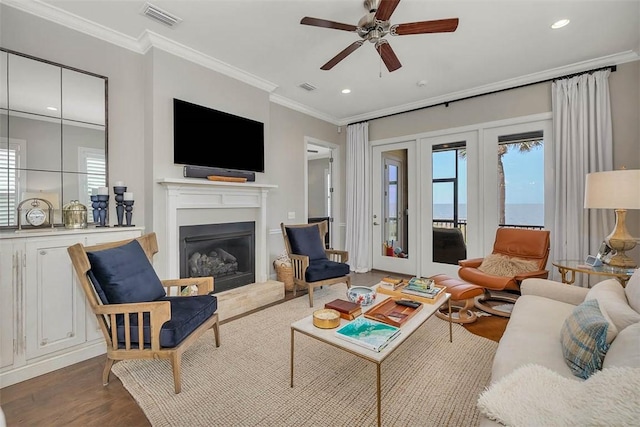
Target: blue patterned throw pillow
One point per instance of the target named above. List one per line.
(584, 339)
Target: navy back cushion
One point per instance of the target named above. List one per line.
(98, 288)
(125, 275)
(306, 241)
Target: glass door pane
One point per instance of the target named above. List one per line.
(449, 207)
(395, 237)
(521, 182)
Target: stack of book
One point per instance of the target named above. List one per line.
(348, 310)
(392, 283)
(368, 333)
(423, 287)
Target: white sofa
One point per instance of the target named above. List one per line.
(533, 334)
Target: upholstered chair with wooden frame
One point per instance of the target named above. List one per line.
(517, 254)
(313, 265)
(130, 301)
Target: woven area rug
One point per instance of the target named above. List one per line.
(245, 382)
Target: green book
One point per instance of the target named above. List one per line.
(368, 333)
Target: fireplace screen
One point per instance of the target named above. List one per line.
(224, 251)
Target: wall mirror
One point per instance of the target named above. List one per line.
(53, 134)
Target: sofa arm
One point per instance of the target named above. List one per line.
(554, 290)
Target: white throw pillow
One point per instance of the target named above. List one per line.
(611, 296)
(625, 349)
(633, 291)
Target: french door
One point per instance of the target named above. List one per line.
(461, 185)
(393, 208)
(497, 176)
(449, 214)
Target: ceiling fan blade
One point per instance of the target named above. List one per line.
(385, 9)
(316, 22)
(436, 26)
(388, 55)
(339, 57)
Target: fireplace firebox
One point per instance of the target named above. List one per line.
(224, 251)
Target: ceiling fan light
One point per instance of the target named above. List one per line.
(560, 23)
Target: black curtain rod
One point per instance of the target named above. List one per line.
(613, 69)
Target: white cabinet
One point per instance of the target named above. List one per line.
(8, 297)
(54, 303)
(45, 321)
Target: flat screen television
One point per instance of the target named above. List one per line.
(206, 137)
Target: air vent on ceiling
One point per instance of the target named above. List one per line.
(160, 15)
(307, 86)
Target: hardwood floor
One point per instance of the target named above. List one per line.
(75, 396)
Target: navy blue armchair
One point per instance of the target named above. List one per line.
(313, 265)
(141, 316)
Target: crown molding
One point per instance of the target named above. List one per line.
(578, 67)
(75, 22)
(149, 39)
(286, 102)
(142, 44)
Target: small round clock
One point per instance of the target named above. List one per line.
(35, 217)
(36, 212)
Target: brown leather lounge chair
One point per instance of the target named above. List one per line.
(517, 254)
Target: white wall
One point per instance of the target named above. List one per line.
(535, 99)
(140, 147)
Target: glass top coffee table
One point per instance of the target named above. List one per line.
(305, 326)
(568, 269)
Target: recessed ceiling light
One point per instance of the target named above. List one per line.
(52, 109)
(559, 24)
(346, 90)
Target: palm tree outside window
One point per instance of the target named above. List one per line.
(521, 180)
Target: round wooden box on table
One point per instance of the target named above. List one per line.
(326, 318)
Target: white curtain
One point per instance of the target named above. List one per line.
(583, 144)
(358, 165)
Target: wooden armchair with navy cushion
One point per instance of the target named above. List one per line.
(141, 316)
(313, 265)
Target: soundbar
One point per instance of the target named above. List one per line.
(204, 172)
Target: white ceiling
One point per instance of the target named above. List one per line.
(498, 44)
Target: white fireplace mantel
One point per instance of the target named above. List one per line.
(194, 193)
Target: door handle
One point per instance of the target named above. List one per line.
(376, 223)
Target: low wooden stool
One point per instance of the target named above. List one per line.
(461, 292)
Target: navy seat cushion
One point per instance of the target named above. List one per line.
(306, 241)
(325, 269)
(125, 275)
(187, 313)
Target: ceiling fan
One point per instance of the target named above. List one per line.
(374, 26)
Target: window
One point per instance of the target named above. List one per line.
(11, 160)
(521, 180)
(449, 166)
(92, 161)
(8, 186)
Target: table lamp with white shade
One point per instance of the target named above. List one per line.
(619, 190)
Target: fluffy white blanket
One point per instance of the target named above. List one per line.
(533, 395)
